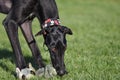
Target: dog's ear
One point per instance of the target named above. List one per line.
(43, 32)
(31, 67)
(17, 70)
(67, 30)
(40, 32)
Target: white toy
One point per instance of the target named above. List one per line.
(25, 73)
(47, 72)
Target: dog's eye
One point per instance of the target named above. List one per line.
(32, 72)
(23, 77)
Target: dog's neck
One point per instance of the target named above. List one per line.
(47, 10)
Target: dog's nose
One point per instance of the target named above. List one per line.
(61, 72)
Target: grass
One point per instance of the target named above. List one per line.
(93, 51)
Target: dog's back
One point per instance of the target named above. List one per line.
(5, 6)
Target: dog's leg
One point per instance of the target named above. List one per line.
(12, 31)
(27, 32)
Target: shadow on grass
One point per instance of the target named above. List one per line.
(8, 55)
(30, 59)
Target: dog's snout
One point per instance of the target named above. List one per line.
(62, 72)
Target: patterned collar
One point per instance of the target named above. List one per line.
(51, 22)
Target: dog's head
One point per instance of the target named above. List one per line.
(55, 40)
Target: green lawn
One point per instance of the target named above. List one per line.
(93, 51)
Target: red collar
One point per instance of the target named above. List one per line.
(51, 22)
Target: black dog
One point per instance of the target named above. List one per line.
(54, 34)
(6, 7)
